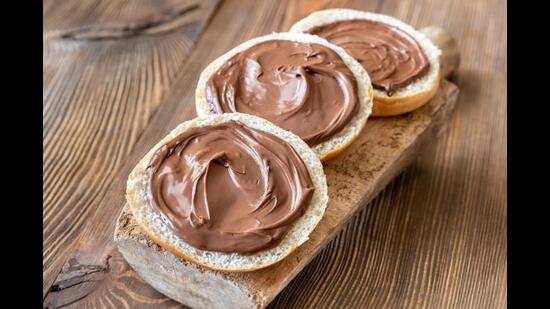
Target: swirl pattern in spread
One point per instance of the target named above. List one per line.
(304, 88)
(228, 187)
(391, 56)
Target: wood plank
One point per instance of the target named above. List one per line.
(107, 67)
(103, 81)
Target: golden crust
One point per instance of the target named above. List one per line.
(337, 151)
(388, 106)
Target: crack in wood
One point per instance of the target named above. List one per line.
(78, 274)
(67, 304)
(148, 27)
(83, 279)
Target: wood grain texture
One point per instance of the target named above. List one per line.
(435, 238)
(107, 66)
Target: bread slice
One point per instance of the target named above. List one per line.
(405, 99)
(298, 233)
(337, 142)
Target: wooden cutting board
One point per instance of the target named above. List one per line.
(384, 149)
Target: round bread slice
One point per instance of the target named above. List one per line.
(297, 234)
(339, 141)
(405, 99)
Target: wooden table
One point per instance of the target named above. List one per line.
(435, 238)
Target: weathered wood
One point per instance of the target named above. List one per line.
(435, 238)
(107, 66)
(382, 151)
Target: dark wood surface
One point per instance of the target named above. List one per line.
(435, 238)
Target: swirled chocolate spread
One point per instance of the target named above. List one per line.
(304, 88)
(391, 56)
(228, 187)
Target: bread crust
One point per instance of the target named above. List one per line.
(338, 142)
(405, 99)
(387, 106)
(158, 231)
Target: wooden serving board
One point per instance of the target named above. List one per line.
(383, 150)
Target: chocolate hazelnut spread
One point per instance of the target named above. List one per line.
(228, 187)
(301, 87)
(391, 56)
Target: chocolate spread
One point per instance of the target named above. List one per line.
(228, 187)
(391, 56)
(304, 88)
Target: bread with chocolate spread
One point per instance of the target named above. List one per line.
(403, 63)
(300, 82)
(230, 192)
